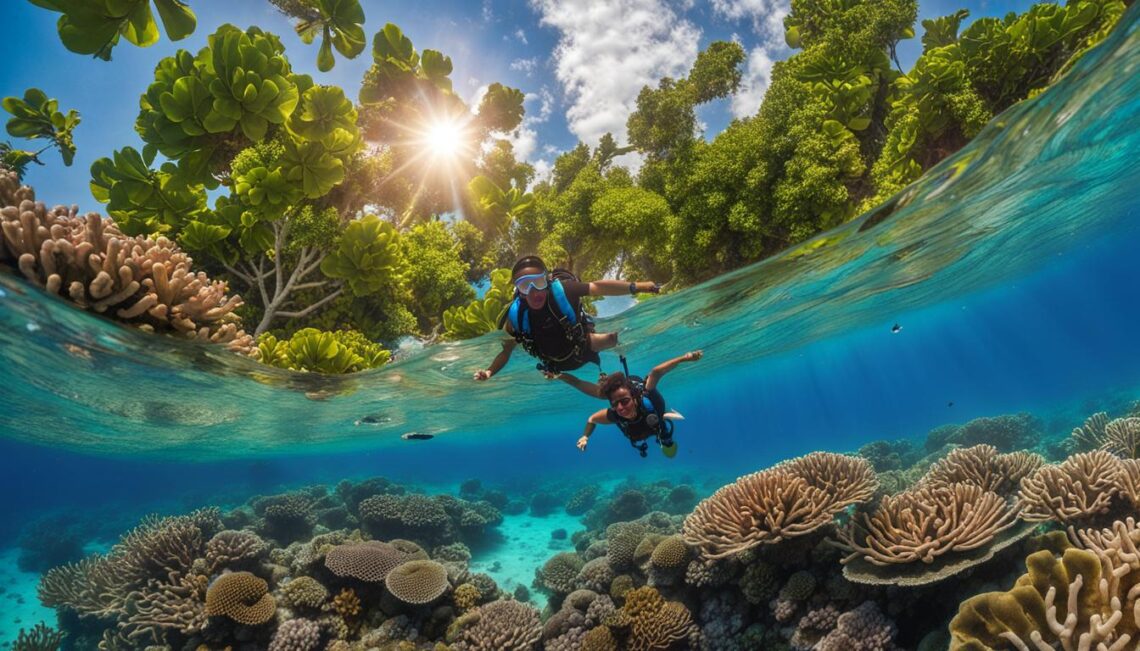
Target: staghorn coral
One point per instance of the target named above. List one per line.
(1122, 437)
(233, 550)
(304, 592)
(558, 574)
(928, 534)
(1083, 485)
(417, 582)
(146, 282)
(370, 561)
(242, 597)
(41, 638)
(297, 635)
(158, 607)
(779, 503)
(159, 549)
(983, 466)
(500, 626)
(1091, 435)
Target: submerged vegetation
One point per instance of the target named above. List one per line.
(330, 211)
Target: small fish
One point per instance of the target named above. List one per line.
(896, 328)
(417, 436)
(950, 404)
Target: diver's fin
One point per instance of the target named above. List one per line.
(673, 415)
(669, 451)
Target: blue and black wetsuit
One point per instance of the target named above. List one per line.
(559, 333)
(650, 420)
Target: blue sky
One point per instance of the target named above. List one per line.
(581, 63)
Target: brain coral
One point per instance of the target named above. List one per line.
(417, 582)
(559, 573)
(242, 597)
(368, 561)
(296, 635)
(501, 626)
(304, 592)
(670, 553)
(790, 500)
(623, 538)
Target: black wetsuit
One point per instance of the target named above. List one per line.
(556, 352)
(639, 429)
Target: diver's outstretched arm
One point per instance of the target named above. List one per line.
(664, 367)
(499, 362)
(589, 388)
(623, 287)
(595, 419)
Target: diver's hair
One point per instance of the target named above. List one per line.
(615, 381)
(528, 262)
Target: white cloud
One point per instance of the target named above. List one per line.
(753, 84)
(608, 51)
(767, 17)
(488, 15)
(526, 66)
(542, 170)
(477, 96)
(524, 139)
(521, 36)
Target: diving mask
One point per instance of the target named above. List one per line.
(530, 282)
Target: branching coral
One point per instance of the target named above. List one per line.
(149, 283)
(983, 466)
(1083, 600)
(790, 500)
(297, 635)
(233, 550)
(159, 549)
(927, 534)
(500, 626)
(655, 623)
(41, 638)
(1084, 485)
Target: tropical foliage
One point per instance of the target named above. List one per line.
(95, 26)
(309, 349)
(36, 116)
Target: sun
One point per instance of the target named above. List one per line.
(444, 140)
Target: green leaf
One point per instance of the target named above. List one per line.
(325, 60)
(177, 18)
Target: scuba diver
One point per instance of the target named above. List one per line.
(636, 406)
(547, 318)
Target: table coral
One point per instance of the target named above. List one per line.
(417, 582)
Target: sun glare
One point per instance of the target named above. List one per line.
(444, 139)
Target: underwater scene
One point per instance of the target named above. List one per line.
(830, 344)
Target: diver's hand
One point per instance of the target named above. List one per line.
(551, 375)
(694, 355)
(482, 375)
(648, 287)
(582, 443)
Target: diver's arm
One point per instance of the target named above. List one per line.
(664, 367)
(589, 388)
(597, 418)
(622, 287)
(499, 362)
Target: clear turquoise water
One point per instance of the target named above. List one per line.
(1012, 269)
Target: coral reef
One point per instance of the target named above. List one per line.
(296, 635)
(417, 582)
(497, 626)
(242, 597)
(789, 500)
(146, 282)
(41, 638)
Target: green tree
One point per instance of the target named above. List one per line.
(36, 116)
(338, 22)
(94, 26)
(436, 276)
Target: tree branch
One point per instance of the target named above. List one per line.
(311, 308)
